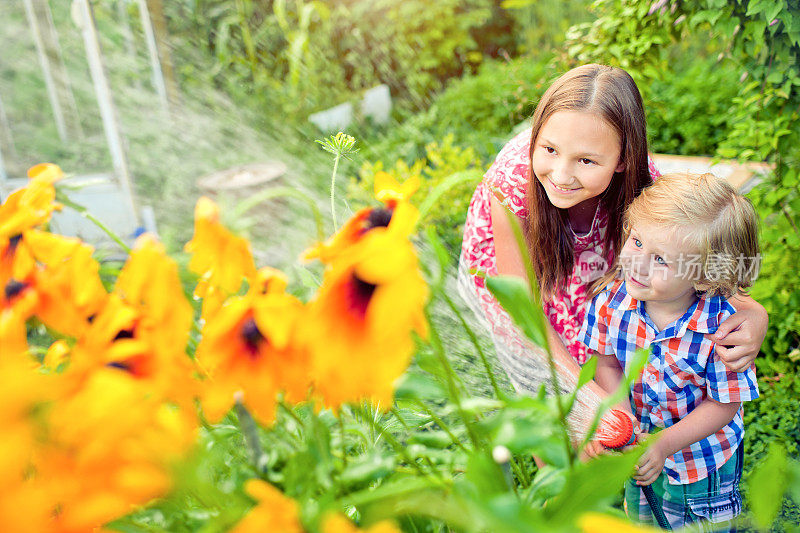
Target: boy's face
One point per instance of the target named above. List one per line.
(657, 264)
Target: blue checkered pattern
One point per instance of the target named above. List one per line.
(680, 373)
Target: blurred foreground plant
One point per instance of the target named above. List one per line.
(307, 408)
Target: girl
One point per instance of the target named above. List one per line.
(568, 181)
(692, 242)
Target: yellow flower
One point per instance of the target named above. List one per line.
(18, 300)
(248, 348)
(389, 191)
(601, 523)
(110, 447)
(274, 512)
(398, 220)
(25, 504)
(337, 523)
(143, 327)
(360, 322)
(221, 259)
(31, 206)
(67, 281)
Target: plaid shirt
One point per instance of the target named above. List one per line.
(681, 371)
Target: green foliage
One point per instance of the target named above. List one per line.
(302, 55)
(687, 107)
(449, 174)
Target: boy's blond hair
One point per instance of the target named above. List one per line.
(721, 228)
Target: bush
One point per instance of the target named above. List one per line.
(687, 108)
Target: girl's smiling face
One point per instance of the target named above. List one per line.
(575, 157)
(655, 262)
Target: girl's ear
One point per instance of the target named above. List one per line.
(620, 167)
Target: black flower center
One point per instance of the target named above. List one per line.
(124, 334)
(13, 288)
(379, 217)
(122, 365)
(360, 294)
(252, 336)
(14, 241)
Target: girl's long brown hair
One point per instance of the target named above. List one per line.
(611, 94)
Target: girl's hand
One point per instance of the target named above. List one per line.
(739, 338)
(593, 450)
(650, 464)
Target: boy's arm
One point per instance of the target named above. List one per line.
(609, 376)
(705, 420)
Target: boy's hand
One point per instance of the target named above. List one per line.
(650, 464)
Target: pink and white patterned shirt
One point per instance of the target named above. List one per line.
(508, 179)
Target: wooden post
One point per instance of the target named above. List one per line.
(44, 60)
(127, 34)
(156, 11)
(155, 62)
(84, 17)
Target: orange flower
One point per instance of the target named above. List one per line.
(221, 259)
(360, 322)
(337, 523)
(25, 504)
(110, 447)
(273, 512)
(398, 220)
(248, 347)
(31, 206)
(18, 299)
(143, 327)
(67, 281)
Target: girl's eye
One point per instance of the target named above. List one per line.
(660, 260)
(549, 149)
(637, 242)
(586, 161)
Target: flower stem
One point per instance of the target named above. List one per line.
(250, 433)
(84, 212)
(333, 192)
(451, 380)
(474, 339)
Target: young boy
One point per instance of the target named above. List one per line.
(691, 241)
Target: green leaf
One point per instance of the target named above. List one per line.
(587, 372)
(767, 485)
(513, 294)
(419, 386)
(473, 174)
(592, 484)
(367, 469)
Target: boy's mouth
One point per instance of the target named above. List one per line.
(635, 282)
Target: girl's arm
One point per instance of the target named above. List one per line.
(740, 336)
(510, 263)
(708, 418)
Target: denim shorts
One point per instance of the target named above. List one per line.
(710, 504)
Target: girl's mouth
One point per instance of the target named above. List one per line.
(562, 189)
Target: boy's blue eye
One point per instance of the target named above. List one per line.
(660, 260)
(637, 242)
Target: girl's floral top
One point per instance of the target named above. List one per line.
(508, 179)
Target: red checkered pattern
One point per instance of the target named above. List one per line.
(681, 371)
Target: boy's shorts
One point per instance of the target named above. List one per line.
(709, 504)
